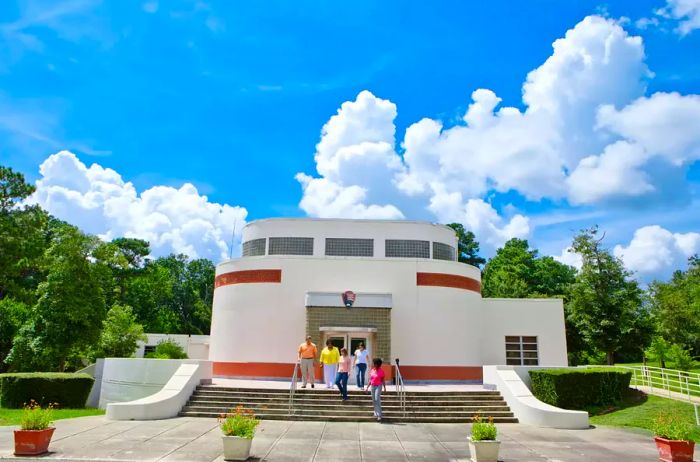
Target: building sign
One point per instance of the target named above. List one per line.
(348, 298)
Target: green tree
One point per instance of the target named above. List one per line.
(467, 246)
(23, 239)
(120, 334)
(13, 314)
(604, 301)
(70, 308)
(676, 306)
(168, 349)
(511, 272)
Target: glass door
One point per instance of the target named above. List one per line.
(351, 341)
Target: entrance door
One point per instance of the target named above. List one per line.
(351, 341)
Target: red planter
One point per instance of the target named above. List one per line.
(675, 451)
(32, 442)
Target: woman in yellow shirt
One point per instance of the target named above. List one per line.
(330, 356)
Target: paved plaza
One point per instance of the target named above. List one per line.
(197, 439)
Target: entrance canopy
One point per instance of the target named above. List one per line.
(335, 299)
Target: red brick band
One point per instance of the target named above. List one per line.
(284, 370)
(448, 280)
(248, 276)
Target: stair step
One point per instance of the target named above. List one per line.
(340, 418)
(325, 404)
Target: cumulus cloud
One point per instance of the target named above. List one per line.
(100, 202)
(654, 252)
(686, 12)
(569, 257)
(588, 134)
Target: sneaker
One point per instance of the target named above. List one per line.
(379, 419)
(312, 385)
(304, 386)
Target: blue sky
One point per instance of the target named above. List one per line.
(232, 97)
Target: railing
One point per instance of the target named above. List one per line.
(293, 388)
(400, 388)
(675, 384)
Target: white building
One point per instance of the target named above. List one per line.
(414, 301)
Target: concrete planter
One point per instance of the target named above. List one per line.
(484, 451)
(236, 448)
(674, 451)
(32, 442)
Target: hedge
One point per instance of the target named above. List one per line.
(67, 389)
(580, 388)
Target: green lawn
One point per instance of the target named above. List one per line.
(640, 411)
(12, 416)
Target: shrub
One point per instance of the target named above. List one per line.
(241, 422)
(580, 388)
(680, 357)
(35, 418)
(168, 349)
(672, 427)
(483, 431)
(67, 389)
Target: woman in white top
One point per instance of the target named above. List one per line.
(360, 362)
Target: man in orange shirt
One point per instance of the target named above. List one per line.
(307, 358)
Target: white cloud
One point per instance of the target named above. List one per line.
(654, 252)
(568, 257)
(686, 12)
(100, 202)
(587, 135)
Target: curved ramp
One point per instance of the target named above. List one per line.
(526, 408)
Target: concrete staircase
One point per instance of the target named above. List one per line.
(322, 404)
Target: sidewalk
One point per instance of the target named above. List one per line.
(197, 439)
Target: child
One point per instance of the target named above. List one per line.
(376, 382)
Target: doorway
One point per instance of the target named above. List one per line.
(351, 341)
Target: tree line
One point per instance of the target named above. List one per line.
(67, 297)
(609, 316)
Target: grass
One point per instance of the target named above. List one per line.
(12, 416)
(638, 410)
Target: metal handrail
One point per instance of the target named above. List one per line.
(400, 388)
(293, 388)
(673, 383)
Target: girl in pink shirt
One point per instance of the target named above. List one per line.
(377, 383)
(341, 378)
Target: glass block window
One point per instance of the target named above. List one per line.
(342, 247)
(521, 351)
(254, 247)
(443, 251)
(291, 246)
(403, 248)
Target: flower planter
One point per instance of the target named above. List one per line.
(484, 451)
(236, 448)
(675, 451)
(32, 442)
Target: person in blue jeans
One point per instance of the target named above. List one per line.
(360, 363)
(341, 378)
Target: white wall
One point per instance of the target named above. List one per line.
(265, 322)
(541, 317)
(196, 346)
(128, 379)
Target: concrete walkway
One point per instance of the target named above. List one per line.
(197, 439)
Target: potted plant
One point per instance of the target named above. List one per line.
(35, 431)
(483, 445)
(238, 428)
(673, 438)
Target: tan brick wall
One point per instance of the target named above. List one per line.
(379, 318)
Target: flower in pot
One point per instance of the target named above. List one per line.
(483, 446)
(673, 438)
(238, 428)
(35, 431)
